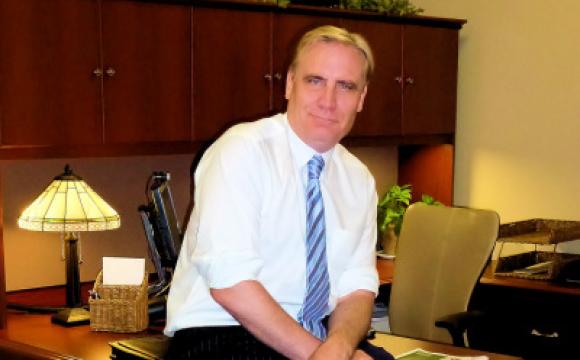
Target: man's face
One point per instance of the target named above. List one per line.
(324, 92)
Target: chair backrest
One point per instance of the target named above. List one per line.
(440, 255)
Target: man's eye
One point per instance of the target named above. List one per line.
(345, 85)
(314, 80)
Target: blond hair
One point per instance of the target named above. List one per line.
(328, 34)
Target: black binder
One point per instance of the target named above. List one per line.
(148, 347)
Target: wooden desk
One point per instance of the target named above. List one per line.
(80, 341)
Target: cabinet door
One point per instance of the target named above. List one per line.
(288, 29)
(430, 80)
(231, 63)
(381, 114)
(147, 71)
(48, 93)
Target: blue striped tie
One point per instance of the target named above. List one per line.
(315, 304)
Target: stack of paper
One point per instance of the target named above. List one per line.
(420, 354)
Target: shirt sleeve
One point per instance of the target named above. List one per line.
(361, 272)
(227, 201)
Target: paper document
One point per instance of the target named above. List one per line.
(123, 271)
(420, 354)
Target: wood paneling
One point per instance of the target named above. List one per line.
(148, 98)
(429, 79)
(48, 51)
(231, 57)
(429, 169)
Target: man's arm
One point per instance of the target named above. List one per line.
(348, 325)
(250, 304)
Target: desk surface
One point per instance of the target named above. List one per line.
(80, 341)
(489, 278)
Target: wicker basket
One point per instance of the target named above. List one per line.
(119, 308)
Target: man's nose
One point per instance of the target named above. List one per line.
(328, 98)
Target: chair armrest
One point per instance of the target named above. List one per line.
(457, 323)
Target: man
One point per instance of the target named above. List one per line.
(278, 259)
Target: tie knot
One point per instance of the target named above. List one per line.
(315, 166)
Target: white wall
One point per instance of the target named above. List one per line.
(518, 125)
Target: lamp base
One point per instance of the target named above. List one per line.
(72, 317)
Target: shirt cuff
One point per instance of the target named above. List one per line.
(229, 269)
(362, 278)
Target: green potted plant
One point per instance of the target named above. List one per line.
(389, 7)
(390, 213)
(392, 206)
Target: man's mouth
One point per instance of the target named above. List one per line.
(325, 118)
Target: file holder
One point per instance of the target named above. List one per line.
(119, 308)
(536, 232)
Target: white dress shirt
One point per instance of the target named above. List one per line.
(249, 223)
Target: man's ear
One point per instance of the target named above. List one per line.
(289, 84)
(362, 99)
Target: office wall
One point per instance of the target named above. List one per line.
(33, 259)
(518, 125)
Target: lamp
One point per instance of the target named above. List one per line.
(68, 205)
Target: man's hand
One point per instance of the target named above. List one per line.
(347, 326)
(334, 350)
(334, 347)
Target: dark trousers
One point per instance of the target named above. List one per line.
(235, 343)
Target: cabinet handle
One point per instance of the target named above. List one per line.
(398, 79)
(110, 72)
(409, 80)
(98, 72)
(278, 76)
(268, 77)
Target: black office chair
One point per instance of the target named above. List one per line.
(164, 237)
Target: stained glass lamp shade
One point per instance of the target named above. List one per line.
(68, 205)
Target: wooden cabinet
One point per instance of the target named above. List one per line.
(48, 50)
(429, 79)
(414, 88)
(382, 111)
(246, 70)
(146, 62)
(243, 77)
(92, 72)
(110, 72)
(231, 62)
